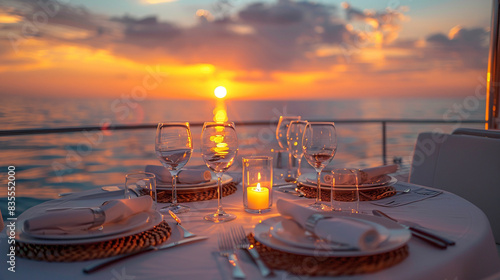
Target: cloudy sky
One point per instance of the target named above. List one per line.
(257, 49)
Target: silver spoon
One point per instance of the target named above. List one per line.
(300, 192)
(187, 234)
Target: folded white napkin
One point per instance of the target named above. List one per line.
(367, 175)
(352, 232)
(70, 221)
(185, 176)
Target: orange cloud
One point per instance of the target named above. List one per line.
(278, 50)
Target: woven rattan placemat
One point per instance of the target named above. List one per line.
(327, 266)
(192, 195)
(98, 250)
(365, 195)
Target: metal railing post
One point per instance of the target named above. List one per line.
(384, 142)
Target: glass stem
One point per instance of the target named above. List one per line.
(318, 195)
(220, 211)
(174, 187)
(298, 169)
(289, 162)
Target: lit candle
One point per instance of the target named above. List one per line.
(258, 198)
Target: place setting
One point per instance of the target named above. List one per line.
(317, 142)
(340, 242)
(372, 183)
(86, 233)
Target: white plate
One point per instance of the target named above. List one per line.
(289, 232)
(309, 180)
(113, 228)
(398, 236)
(133, 225)
(225, 179)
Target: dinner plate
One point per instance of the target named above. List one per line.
(113, 228)
(210, 184)
(397, 237)
(310, 180)
(133, 225)
(289, 232)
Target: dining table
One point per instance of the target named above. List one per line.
(474, 255)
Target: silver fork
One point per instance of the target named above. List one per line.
(397, 191)
(242, 242)
(226, 249)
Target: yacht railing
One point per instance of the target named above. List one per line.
(383, 123)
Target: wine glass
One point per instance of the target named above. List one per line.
(281, 131)
(219, 145)
(294, 138)
(174, 147)
(320, 145)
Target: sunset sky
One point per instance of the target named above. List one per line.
(256, 49)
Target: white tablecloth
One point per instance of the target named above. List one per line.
(473, 257)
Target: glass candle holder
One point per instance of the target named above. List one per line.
(257, 184)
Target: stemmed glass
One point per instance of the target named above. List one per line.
(294, 138)
(174, 147)
(219, 145)
(320, 145)
(281, 131)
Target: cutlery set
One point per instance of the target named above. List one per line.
(228, 242)
(241, 241)
(188, 238)
(420, 232)
(92, 268)
(406, 196)
(227, 249)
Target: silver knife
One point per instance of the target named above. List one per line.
(419, 232)
(418, 228)
(94, 267)
(291, 189)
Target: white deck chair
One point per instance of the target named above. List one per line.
(466, 165)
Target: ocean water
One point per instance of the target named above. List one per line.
(49, 164)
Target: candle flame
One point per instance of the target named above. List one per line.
(258, 189)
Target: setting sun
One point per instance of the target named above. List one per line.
(220, 92)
